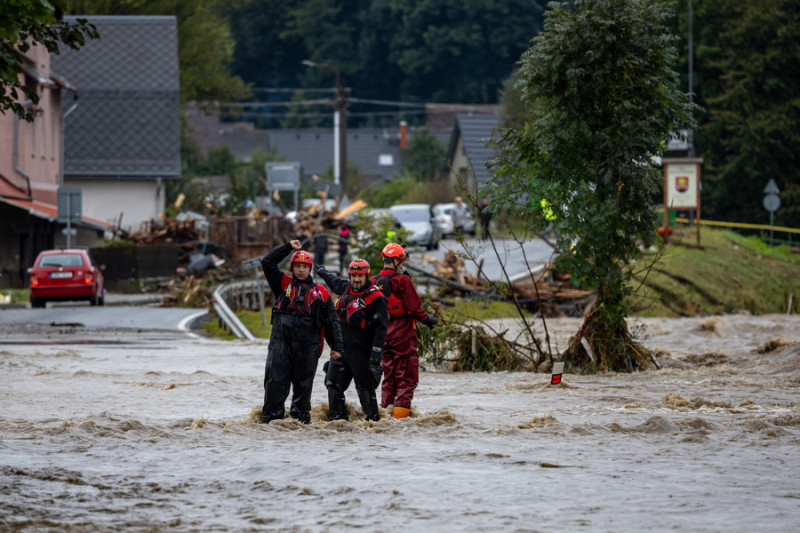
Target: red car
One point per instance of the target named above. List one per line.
(65, 274)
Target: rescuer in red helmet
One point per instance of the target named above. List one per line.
(363, 317)
(302, 316)
(400, 360)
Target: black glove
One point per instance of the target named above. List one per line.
(375, 367)
(430, 321)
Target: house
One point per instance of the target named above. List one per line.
(376, 151)
(468, 153)
(122, 136)
(31, 174)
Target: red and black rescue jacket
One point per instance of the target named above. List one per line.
(404, 304)
(306, 301)
(362, 314)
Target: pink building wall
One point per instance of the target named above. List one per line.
(31, 152)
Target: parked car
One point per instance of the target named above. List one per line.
(444, 220)
(447, 209)
(418, 219)
(65, 274)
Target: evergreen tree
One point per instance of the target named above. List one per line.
(602, 96)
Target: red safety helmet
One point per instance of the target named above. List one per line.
(302, 257)
(358, 266)
(394, 250)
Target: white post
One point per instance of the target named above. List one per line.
(336, 143)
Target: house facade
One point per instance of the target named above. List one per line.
(31, 173)
(122, 138)
(468, 153)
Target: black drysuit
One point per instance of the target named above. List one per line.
(302, 316)
(363, 315)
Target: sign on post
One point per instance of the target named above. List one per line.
(772, 202)
(682, 187)
(69, 210)
(69, 205)
(284, 176)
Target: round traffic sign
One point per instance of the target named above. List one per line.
(772, 202)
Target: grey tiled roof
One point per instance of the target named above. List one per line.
(476, 130)
(127, 120)
(371, 149)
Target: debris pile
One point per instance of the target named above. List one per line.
(549, 292)
(163, 230)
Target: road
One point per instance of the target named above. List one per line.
(518, 260)
(66, 315)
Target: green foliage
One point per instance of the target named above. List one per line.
(16, 295)
(602, 95)
(354, 184)
(406, 189)
(427, 50)
(251, 320)
(729, 274)
(301, 115)
(466, 349)
(370, 232)
(747, 78)
(426, 157)
(30, 22)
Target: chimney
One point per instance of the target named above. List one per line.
(403, 134)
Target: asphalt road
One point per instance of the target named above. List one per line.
(118, 316)
(517, 260)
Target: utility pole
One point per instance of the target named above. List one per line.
(691, 72)
(339, 126)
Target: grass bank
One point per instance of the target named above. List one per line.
(728, 273)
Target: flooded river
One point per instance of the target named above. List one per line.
(156, 431)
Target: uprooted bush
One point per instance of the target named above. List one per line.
(471, 348)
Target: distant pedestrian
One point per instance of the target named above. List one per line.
(460, 215)
(344, 244)
(485, 215)
(320, 246)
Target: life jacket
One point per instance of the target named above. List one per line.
(352, 306)
(395, 304)
(298, 298)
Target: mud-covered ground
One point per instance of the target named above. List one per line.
(156, 431)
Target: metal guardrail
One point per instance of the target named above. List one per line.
(239, 294)
(228, 316)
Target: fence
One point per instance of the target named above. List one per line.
(249, 294)
(762, 228)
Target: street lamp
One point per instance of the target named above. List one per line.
(339, 126)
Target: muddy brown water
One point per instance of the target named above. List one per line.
(152, 431)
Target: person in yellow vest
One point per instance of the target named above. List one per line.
(549, 214)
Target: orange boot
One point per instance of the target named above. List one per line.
(400, 412)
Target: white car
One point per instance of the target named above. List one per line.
(447, 210)
(444, 220)
(419, 221)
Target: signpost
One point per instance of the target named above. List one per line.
(284, 176)
(772, 202)
(682, 187)
(69, 210)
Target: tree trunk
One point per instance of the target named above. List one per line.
(603, 345)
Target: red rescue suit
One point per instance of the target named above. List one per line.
(400, 359)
